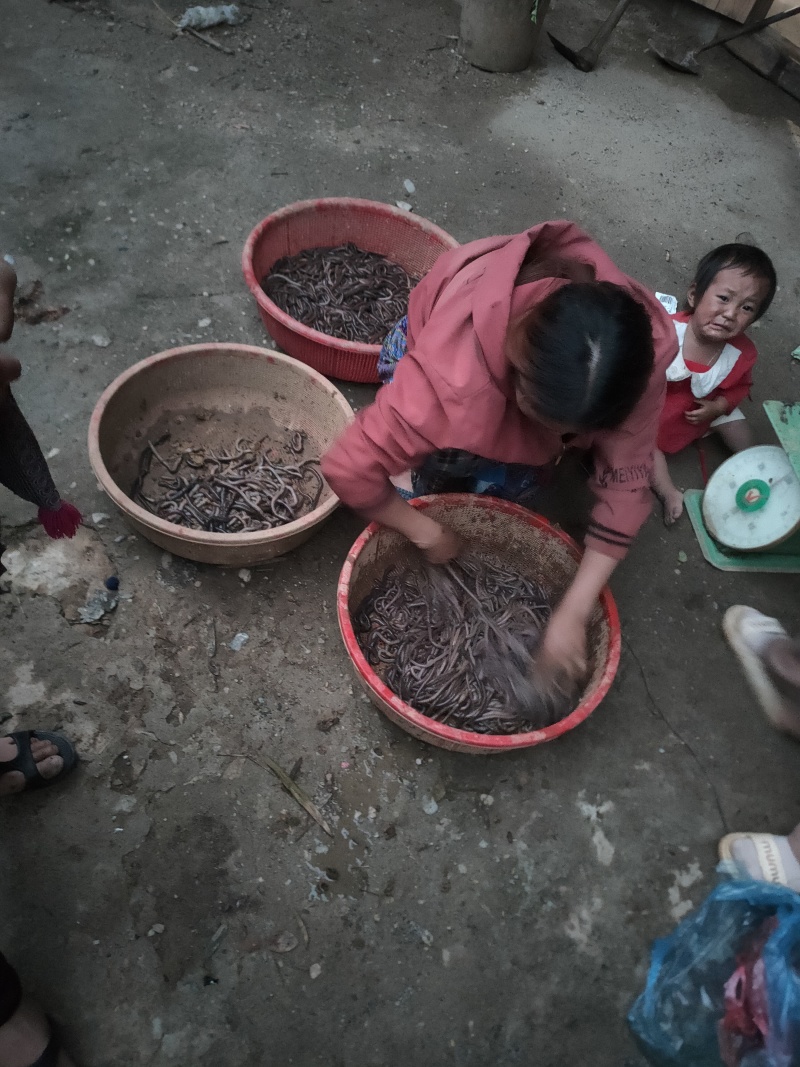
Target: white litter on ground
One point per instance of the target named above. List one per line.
(203, 18)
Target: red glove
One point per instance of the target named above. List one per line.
(62, 521)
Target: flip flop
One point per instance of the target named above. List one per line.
(777, 863)
(24, 761)
(740, 623)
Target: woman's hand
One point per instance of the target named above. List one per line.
(438, 543)
(707, 411)
(562, 655)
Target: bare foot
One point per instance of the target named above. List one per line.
(25, 1036)
(48, 764)
(671, 506)
(670, 496)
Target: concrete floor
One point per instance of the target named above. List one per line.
(140, 900)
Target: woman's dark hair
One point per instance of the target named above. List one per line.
(746, 258)
(585, 355)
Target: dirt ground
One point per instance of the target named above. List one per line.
(466, 911)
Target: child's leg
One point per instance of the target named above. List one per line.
(8, 285)
(665, 489)
(737, 435)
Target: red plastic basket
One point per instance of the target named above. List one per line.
(525, 539)
(413, 242)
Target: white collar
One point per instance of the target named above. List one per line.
(704, 382)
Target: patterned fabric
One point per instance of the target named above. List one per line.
(452, 470)
(392, 350)
(23, 468)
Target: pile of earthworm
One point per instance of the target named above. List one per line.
(232, 491)
(456, 643)
(343, 291)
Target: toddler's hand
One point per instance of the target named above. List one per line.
(706, 411)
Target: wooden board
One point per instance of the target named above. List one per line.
(740, 10)
(790, 29)
(785, 419)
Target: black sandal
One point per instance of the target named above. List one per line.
(24, 762)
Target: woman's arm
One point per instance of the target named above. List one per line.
(392, 435)
(563, 650)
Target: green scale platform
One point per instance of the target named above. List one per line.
(752, 503)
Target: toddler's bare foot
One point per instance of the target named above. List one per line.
(671, 505)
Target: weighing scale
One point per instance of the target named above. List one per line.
(748, 516)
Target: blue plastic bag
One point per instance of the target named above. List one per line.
(675, 1019)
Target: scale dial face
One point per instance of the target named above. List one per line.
(752, 501)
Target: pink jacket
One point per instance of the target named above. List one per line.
(454, 389)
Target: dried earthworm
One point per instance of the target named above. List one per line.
(343, 292)
(456, 643)
(234, 491)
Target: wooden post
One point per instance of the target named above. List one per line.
(500, 35)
